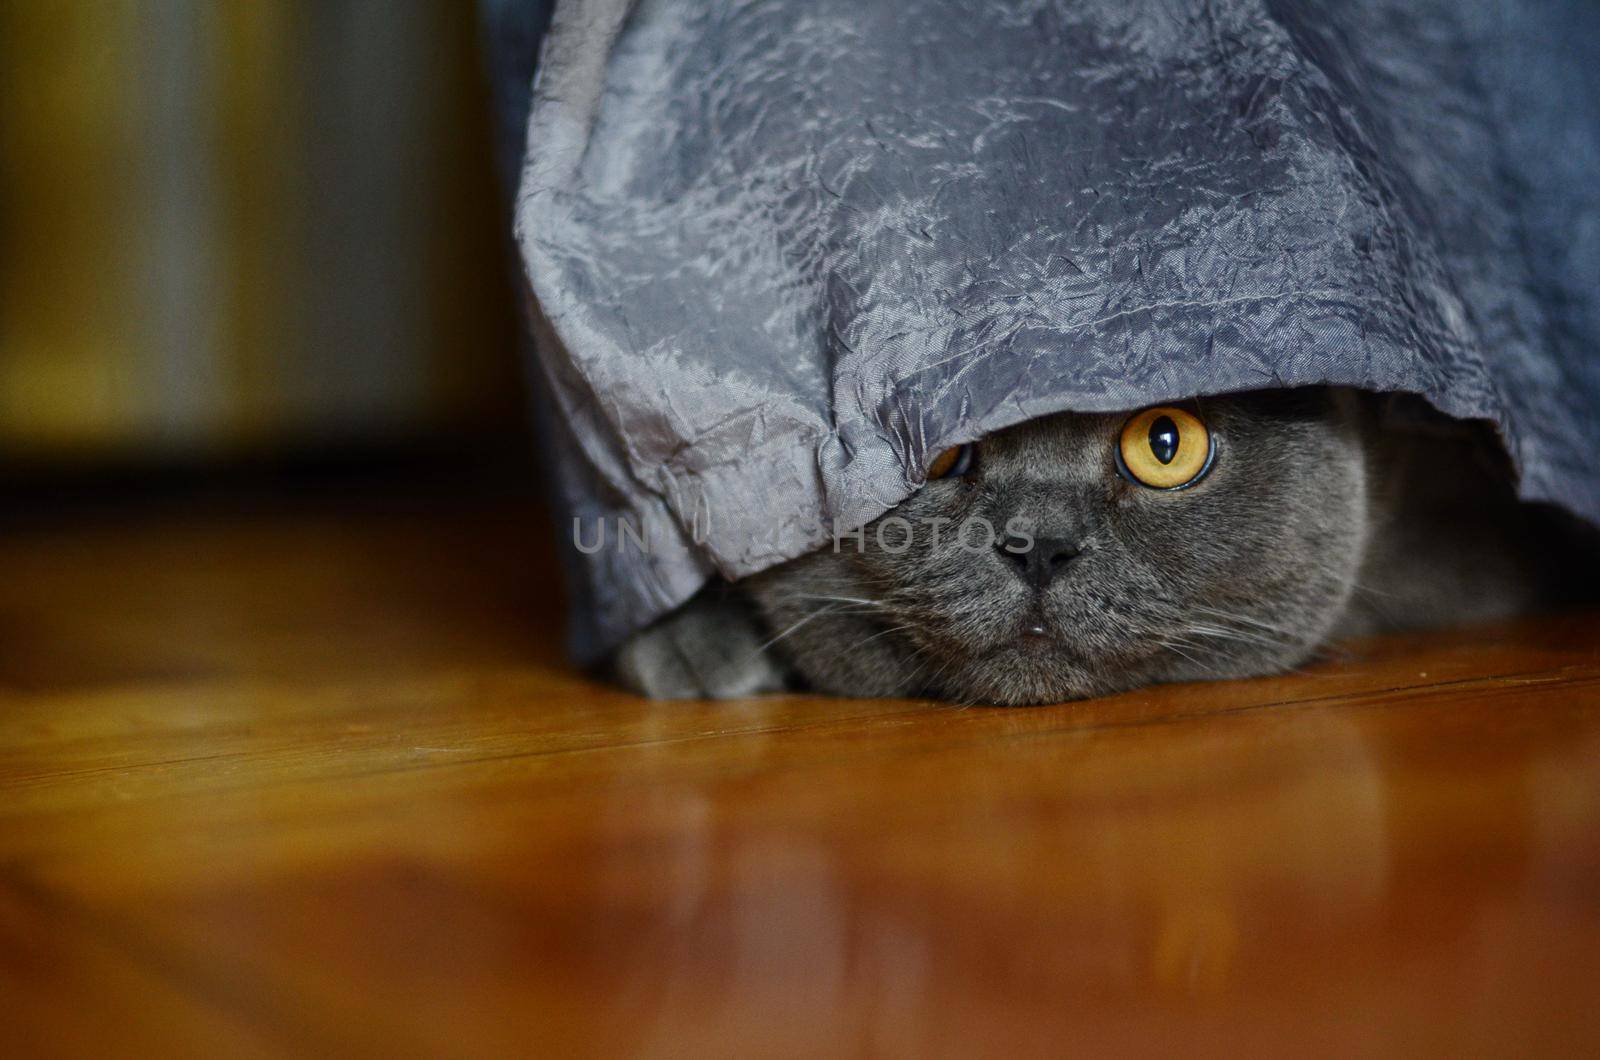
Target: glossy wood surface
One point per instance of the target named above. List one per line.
(297, 782)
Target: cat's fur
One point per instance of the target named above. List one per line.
(1320, 519)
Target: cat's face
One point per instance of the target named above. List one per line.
(1242, 570)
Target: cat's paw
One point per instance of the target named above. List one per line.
(708, 649)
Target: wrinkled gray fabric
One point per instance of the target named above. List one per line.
(787, 250)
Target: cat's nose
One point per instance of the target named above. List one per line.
(1038, 560)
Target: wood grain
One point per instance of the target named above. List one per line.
(305, 781)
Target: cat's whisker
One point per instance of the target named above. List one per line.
(1359, 587)
(839, 599)
(1174, 648)
(1254, 626)
(818, 613)
(1231, 616)
(1239, 635)
(929, 681)
(792, 628)
(884, 633)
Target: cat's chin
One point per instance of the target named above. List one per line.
(1030, 671)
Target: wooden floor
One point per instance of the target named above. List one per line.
(289, 781)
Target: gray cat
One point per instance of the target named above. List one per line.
(1079, 555)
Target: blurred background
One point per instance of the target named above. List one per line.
(238, 236)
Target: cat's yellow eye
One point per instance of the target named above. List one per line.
(1165, 448)
(953, 461)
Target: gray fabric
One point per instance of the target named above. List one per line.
(788, 250)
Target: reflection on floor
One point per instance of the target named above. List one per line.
(320, 781)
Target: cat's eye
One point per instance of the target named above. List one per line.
(954, 461)
(1165, 448)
